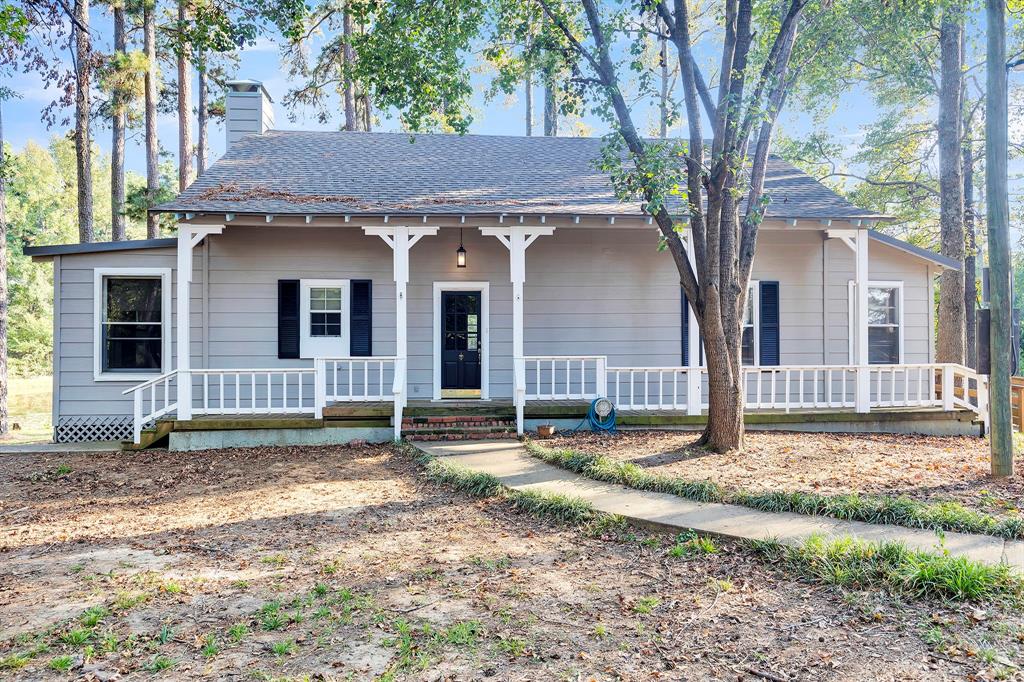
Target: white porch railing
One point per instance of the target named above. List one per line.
(786, 388)
(159, 401)
(307, 390)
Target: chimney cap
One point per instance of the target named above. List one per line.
(247, 85)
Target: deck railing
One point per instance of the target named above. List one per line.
(308, 390)
(158, 402)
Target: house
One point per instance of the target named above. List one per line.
(336, 285)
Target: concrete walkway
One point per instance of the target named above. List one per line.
(510, 463)
(45, 448)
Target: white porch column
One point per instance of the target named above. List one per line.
(857, 241)
(863, 402)
(517, 239)
(694, 374)
(401, 238)
(188, 236)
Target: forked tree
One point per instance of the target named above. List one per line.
(706, 190)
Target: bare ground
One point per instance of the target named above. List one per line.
(344, 563)
(926, 468)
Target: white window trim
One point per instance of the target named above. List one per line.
(852, 331)
(311, 347)
(99, 274)
(485, 331)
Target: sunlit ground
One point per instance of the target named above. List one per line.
(28, 400)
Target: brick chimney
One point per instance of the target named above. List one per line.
(250, 110)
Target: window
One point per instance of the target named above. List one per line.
(323, 318)
(885, 320)
(748, 353)
(132, 336)
(883, 325)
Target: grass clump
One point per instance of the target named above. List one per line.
(61, 663)
(555, 506)
(898, 511)
(471, 482)
(852, 563)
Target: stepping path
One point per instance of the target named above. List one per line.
(510, 463)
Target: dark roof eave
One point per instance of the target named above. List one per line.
(97, 247)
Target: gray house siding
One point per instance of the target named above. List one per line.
(589, 291)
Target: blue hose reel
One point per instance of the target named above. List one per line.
(600, 416)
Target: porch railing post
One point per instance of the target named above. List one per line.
(862, 389)
(602, 377)
(947, 387)
(693, 384)
(137, 418)
(319, 387)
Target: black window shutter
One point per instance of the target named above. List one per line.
(287, 318)
(769, 323)
(361, 318)
(686, 329)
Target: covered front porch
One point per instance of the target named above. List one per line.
(536, 384)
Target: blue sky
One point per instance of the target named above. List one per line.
(503, 116)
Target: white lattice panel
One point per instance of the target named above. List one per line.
(78, 429)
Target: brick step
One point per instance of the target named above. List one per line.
(466, 420)
(459, 434)
(457, 429)
(496, 424)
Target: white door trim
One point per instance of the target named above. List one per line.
(485, 330)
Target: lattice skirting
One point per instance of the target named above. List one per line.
(78, 429)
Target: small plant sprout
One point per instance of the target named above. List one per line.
(321, 589)
(720, 584)
(513, 646)
(277, 560)
(165, 635)
(92, 616)
(285, 647)
(76, 637)
(61, 663)
(645, 605)
(210, 646)
(600, 631)
(237, 632)
(159, 663)
(465, 633)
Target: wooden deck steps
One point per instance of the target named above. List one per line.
(458, 427)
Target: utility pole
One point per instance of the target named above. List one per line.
(997, 204)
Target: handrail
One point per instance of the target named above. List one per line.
(150, 382)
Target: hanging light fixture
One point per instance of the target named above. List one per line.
(460, 255)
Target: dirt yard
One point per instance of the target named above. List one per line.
(344, 563)
(922, 467)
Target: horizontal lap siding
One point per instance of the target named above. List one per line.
(79, 394)
(588, 292)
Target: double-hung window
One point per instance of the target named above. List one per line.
(885, 322)
(323, 318)
(132, 313)
(748, 352)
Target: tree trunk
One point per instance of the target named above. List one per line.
(152, 144)
(528, 85)
(952, 318)
(83, 137)
(971, 253)
(184, 106)
(117, 221)
(724, 429)
(3, 281)
(550, 109)
(663, 94)
(351, 122)
(204, 116)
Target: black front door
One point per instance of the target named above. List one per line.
(460, 341)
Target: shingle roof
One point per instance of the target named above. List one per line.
(297, 172)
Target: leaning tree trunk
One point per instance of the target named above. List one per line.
(528, 86)
(663, 93)
(550, 109)
(952, 322)
(3, 282)
(152, 144)
(203, 116)
(83, 138)
(117, 221)
(184, 106)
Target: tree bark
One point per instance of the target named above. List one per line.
(83, 105)
(349, 55)
(117, 219)
(203, 117)
(184, 105)
(951, 344)
(970, 254)
(663, 94)
(550, 109)
(528, 86)
(152, 144)
(3, 281)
